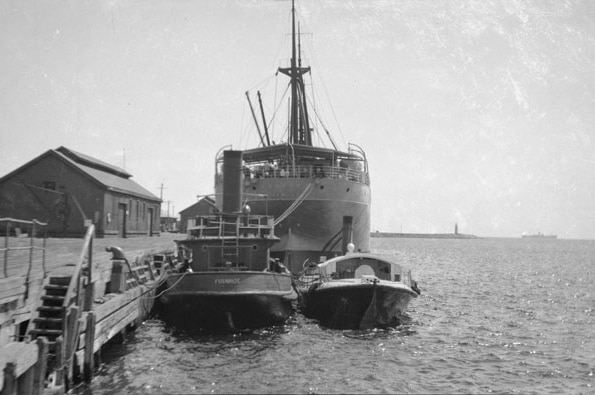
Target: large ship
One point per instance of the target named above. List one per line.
(313, 192)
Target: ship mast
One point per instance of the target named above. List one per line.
(300, 132)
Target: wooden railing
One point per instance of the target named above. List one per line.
(33, 229)
(82, 274)
(78, 298)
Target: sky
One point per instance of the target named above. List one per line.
(479, 113)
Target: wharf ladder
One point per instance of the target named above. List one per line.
(58, 313)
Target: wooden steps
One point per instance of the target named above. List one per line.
(48, 318)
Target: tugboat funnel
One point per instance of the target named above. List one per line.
(232, 181)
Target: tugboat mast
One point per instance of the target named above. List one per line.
(300, 132)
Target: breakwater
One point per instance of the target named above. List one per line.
(424, 235)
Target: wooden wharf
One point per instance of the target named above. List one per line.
(62, 300)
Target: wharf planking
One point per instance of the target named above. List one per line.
(58, 254)
(113, 309)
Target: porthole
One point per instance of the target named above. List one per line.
(322, 187)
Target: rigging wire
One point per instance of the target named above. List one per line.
(273, 117)
(324, 127)
(264, 83)
(278, 103)
(271, 126)
(315, 59)
(312, 101)
(243, 128)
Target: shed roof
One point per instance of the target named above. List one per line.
(93, 162)
(203, 200)
(110, 177)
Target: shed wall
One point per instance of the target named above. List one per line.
(49, 191)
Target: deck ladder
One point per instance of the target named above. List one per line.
(230, 240)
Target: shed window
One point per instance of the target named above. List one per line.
(49, 185)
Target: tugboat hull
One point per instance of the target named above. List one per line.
(227, 301)
(356, 306)
(356, 291)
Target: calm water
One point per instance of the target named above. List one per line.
(495, 316)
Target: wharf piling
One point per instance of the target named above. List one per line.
(57, 313)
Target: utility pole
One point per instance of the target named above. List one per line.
(168, 204)
(161, 188)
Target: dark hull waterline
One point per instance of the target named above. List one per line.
(227, 301)
(224, 312)
(356, 307)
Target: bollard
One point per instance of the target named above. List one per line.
(118, 278)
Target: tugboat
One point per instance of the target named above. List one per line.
(355, 290)
(228, 281)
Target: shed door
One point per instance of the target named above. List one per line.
(122, 219)
(150, 220)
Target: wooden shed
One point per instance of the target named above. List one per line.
(204, 206)
(69, 190)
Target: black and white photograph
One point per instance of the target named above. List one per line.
(297, 197)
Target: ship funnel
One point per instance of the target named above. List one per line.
(232, 181)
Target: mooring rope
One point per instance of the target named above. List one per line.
(296, 203)
(167, 289)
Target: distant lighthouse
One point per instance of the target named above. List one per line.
(456, 229)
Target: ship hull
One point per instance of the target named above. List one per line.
(350, 305)
(227, 301)
(313, 230)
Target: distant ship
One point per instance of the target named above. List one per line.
(539, 236)
(310, 190)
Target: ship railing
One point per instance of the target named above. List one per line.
(310, 171)
(219, 226)
(323, 276)
(355, 149)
